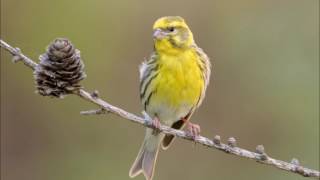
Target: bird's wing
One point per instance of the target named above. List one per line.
(148, 71)
(146, 66)
(205, 66)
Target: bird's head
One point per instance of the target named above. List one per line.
(172, 34)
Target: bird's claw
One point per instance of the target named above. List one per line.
(156, 124)
(193, 130)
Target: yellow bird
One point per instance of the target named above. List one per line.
(173, 83)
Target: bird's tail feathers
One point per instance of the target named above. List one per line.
(146, 159)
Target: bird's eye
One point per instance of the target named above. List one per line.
(170, 29)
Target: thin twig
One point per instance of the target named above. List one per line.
(230, 148)
(17, 53)
(94, 112)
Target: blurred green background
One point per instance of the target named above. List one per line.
(264, 88)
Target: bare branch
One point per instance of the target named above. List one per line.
(230, 148)
(94, 112)
(17, 55)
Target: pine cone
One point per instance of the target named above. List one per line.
(60, 69)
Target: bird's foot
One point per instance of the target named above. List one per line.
(193, 130)
(156, 124)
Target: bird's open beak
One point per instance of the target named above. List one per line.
(158, 34)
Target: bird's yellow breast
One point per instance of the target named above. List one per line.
(179, 81)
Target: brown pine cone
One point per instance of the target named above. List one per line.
(60, 69)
